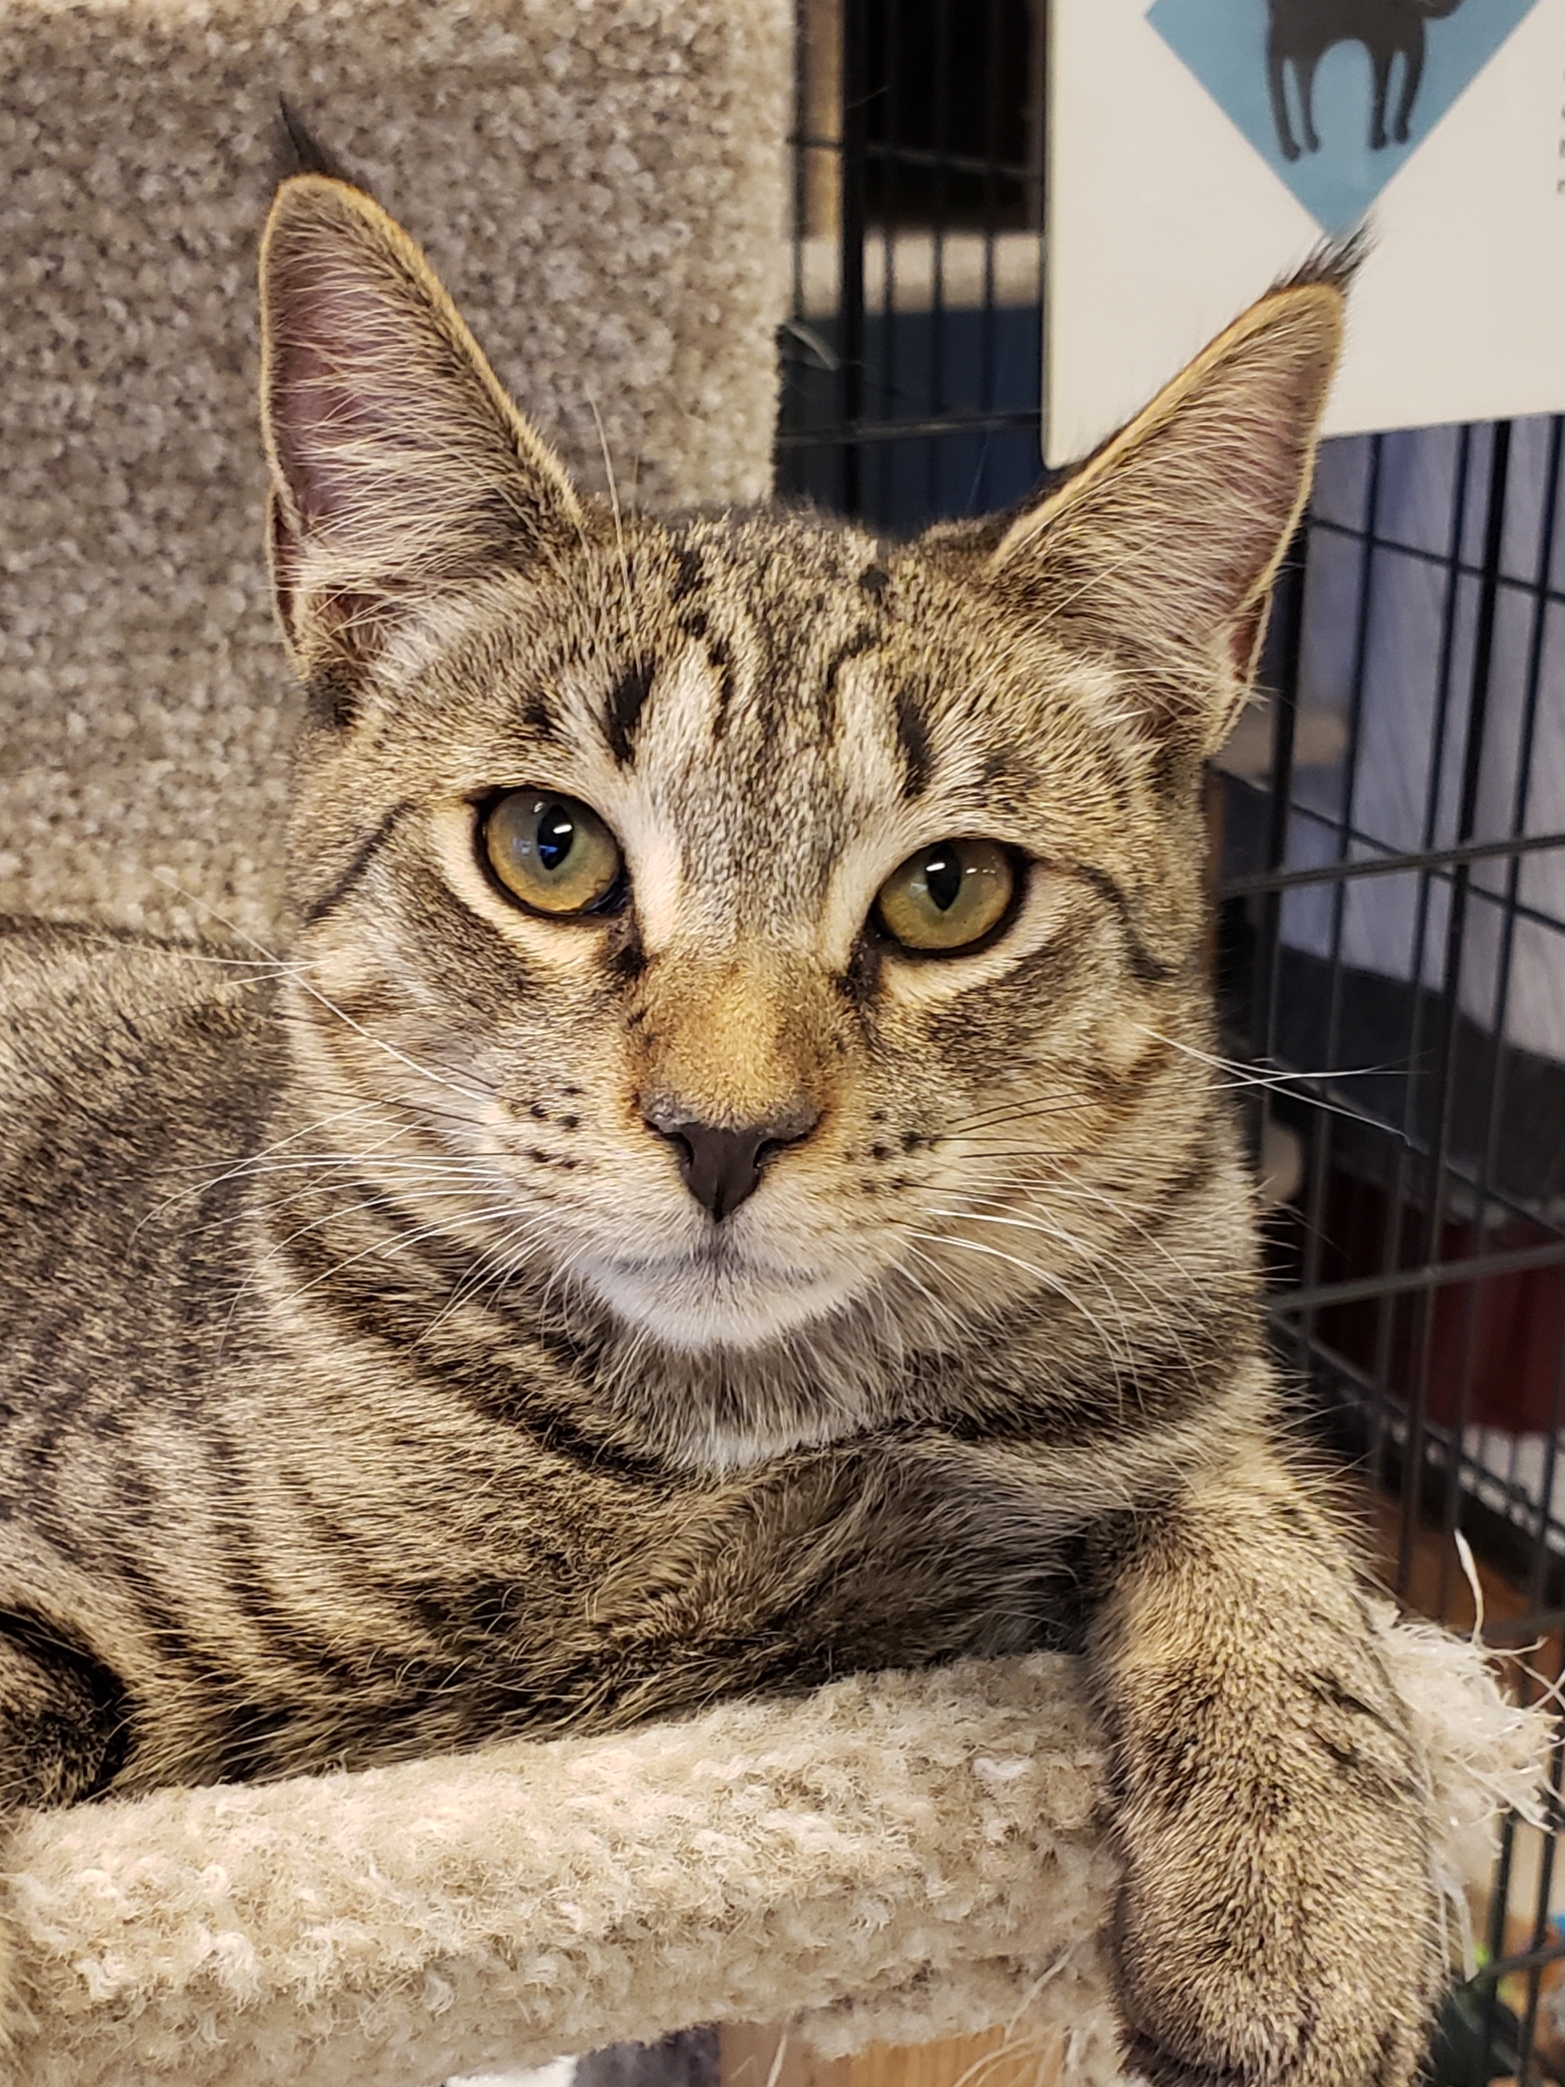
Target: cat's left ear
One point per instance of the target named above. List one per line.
(1162, 549)
(400, 469)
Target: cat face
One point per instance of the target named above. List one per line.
(735, 921)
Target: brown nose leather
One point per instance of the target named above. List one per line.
(720, 1165)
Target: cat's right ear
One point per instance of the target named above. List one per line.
(400, 470)
(1162, 548)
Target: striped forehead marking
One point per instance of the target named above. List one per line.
(622, 712)
(790, 669)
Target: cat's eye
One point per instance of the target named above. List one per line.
(553, 853)
(947, 897)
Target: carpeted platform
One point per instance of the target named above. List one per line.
(601, 184)
(891, 1858)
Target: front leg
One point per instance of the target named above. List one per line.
(1277, 1922)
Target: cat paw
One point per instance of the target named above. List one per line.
(1390, 2061)
(1301, 1971)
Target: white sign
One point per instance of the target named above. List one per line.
(1198, 149)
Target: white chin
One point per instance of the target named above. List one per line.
(696, 1304)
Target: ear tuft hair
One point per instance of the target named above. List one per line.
(1334, 262)
(300, 151)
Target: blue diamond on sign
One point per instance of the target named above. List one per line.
(1335, 95)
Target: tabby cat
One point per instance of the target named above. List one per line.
(729, 1184)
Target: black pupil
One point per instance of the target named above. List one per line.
(943, 877)
(556, 836)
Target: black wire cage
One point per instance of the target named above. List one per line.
(1388, 855)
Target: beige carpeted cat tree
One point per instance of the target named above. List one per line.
(890, 1858)
(601, 183)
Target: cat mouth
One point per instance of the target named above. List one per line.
(719, 1253)
(715, 1294)
(718, 1256)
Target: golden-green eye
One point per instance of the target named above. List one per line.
(552, 853)
(948, 896)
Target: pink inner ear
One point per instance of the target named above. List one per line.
(1241, 485)
(351, 616)
(310, 412)
(343, 393)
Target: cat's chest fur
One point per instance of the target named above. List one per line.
(237, 1489)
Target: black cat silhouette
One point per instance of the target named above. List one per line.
(1301, 32)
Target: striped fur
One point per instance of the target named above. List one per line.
(372, 1382)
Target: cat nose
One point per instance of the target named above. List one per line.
(721, 1165)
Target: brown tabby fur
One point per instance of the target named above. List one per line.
(373, 1385)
